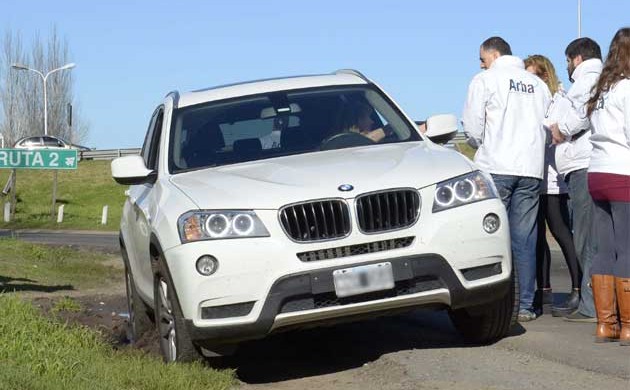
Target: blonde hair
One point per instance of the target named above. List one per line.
(544, 69)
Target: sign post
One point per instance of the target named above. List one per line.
(56, 159)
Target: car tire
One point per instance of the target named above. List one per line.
(485, 324)
(174, 338)
(141, 318)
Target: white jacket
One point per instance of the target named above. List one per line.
(611, 131)
(553, 182)
(503, 117)
(572, 155)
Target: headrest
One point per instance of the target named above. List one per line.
(247, 146)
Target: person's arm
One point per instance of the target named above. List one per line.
(474, 116)
(575, 118)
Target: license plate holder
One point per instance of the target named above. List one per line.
(363, 279)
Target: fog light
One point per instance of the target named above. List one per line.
(207, 265)
(491, 223)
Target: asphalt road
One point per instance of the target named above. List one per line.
(419, 350)
(106, 241)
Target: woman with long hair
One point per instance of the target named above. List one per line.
(553, 209)
(609, 185)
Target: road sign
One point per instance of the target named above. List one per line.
(38, 158)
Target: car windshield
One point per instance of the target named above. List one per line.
(283, 123)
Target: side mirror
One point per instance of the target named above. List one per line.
(441, 128)
(130, 170)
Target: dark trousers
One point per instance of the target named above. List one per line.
(581, 206)
(553, 210)
(612, 230)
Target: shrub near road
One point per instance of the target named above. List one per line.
(83, 191)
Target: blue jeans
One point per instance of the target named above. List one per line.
(520, 196)
(581, 207)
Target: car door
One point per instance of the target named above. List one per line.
(141, 211)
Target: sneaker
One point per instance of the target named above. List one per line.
(525, 315)
(576, 316)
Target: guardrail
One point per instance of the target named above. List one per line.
(108, 154)
(459, 138)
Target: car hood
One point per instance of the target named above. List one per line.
(272, 183)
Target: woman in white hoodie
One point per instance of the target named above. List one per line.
(609, 185)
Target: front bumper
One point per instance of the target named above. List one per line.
(308, 298)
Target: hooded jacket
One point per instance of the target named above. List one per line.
(573, 155)
(503, 117)
(611, 131)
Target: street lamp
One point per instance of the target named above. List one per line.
(579, 15)
(44, 78)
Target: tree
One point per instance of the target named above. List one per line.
(21, 92)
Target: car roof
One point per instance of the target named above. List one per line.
(344, 77)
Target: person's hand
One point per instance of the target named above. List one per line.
(556, 136)
(375, 135)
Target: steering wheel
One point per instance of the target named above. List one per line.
(345, 140)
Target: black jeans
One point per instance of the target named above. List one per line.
(554, 210)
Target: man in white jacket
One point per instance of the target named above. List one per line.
(572, 134)
(503, 117)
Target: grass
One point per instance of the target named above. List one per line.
(465, 149)
(30, 267)
(66, 304)
(39, 353)
(83, 192)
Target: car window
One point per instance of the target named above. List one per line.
(148, 138)
(52, 142)
(32, 142)
(283, 123)
(154, 147)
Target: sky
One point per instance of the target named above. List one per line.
(129, 54)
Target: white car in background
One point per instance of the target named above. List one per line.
(254, 209)
(47, 142)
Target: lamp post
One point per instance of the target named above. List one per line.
(44, 78)
(579, 15)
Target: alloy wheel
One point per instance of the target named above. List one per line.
(166, 324)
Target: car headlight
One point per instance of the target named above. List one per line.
(466, 189)
(219, 224)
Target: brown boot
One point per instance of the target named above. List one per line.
(605, 305)
(623, 298)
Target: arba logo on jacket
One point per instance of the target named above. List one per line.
(521, 87)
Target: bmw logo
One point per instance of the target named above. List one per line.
(345, 187)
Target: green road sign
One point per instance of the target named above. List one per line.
(38, 158)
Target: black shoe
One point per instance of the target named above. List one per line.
(568, 307)
(543, 301)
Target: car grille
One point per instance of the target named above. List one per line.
(324, 300)
(316, 220)
(355, 250)
(387, 210)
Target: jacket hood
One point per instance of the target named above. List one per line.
(273, 183)
(594, 65)
(508, 60)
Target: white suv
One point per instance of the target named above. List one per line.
(278, 204)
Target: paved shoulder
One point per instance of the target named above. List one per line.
(106, 240)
